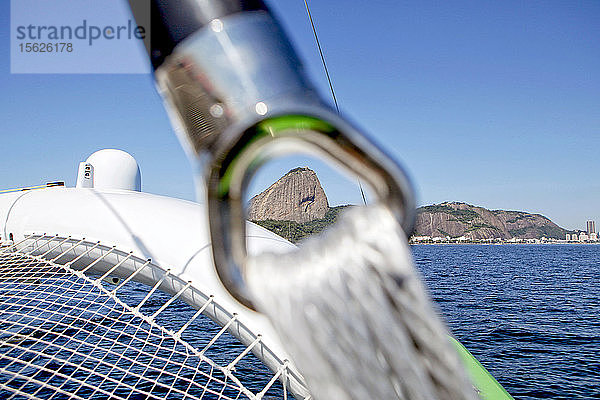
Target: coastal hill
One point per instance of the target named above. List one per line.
(455, 219)
(295, 206)
(297, 196)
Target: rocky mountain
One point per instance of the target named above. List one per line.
(297, 196)
(296, 206)
(456, 219)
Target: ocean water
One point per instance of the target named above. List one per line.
(529, 313)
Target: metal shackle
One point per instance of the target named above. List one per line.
(238, 97)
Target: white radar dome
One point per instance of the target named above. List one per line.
(110, 169)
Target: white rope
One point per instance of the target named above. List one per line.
(354, 315)
(114, 268)
(198, 313)
(14, 245)
(73, 246)
(243, 353)
(56, 245)
(34, 245)
(63, 334)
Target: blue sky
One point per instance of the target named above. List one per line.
(492, 103)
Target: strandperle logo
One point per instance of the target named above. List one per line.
(80, 36)
(84, 31)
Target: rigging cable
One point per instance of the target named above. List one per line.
(312, 24)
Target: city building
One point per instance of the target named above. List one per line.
(591, 227)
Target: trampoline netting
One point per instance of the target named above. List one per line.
(67, 333)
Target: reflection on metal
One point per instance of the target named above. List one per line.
(83, 319)
(239, 97)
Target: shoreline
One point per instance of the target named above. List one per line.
(502, 243)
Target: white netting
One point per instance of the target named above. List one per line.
(349, 305)
(354, 315)
(64, 334)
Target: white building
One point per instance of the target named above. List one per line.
(421, 238)
(591, 227)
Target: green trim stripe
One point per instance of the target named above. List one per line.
(488, 387)
(273, 127)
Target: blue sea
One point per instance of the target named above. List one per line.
(529, 313)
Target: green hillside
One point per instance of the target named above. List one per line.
(295, 232)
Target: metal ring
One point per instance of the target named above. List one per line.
(318, 132)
